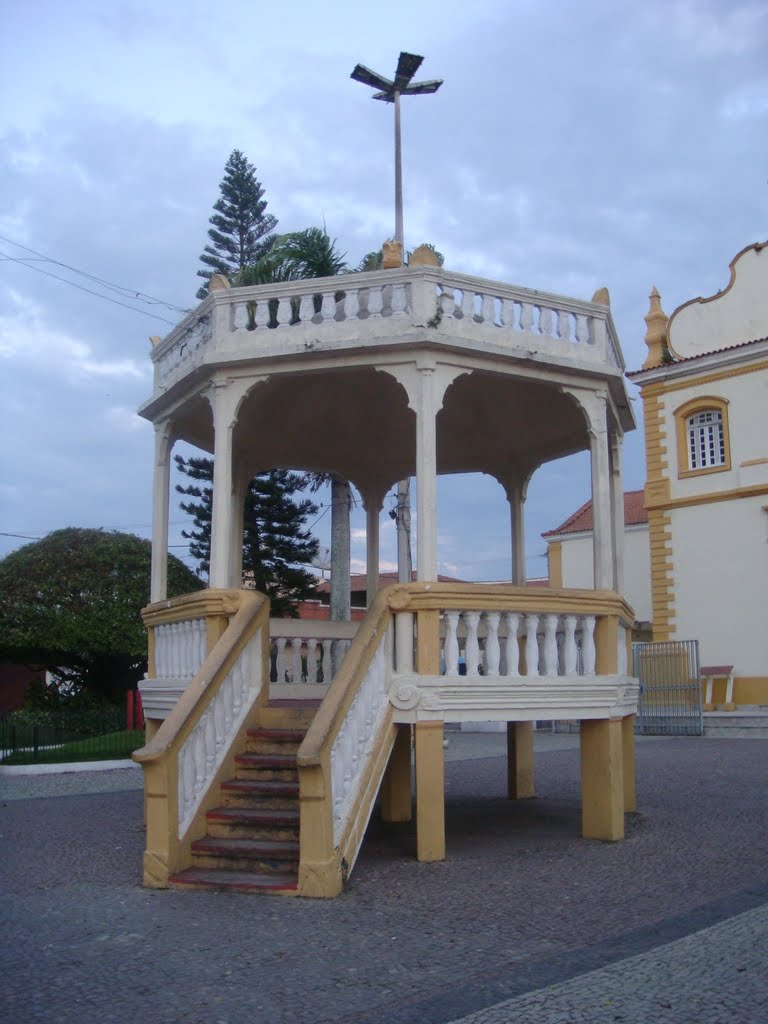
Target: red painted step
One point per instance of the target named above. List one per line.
(260, 787)
(254, 816)
(273, 849)
(278, 735)
(265, 760)
(233, 881)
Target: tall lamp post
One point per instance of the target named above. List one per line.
(390, 92)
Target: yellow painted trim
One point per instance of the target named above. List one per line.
(656, 495)
(628, 763)
(754, 491)
(555, 560)
(602, 784)
(701, 403)
(428, 645)
(664, 387)
(520, 767)
(430, 791)
(396, 798)
(754, 462)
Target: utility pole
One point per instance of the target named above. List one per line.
(390, 91)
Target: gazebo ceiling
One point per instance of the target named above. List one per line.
(357, 422)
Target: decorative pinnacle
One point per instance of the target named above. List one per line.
(656, 333)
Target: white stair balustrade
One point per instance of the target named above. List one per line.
(472, 647)
(512, 644)
(451, 645)
(531, 645)
(550, 645)
(588, 645)
(492, 646)
(202, 752)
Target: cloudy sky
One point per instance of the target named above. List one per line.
(573, 145)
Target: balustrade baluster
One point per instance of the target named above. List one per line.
(375, 301)
(492, 648)
(311, 660)
(582, 328)
(296, 673)
(545, 320)
(327, 670)
(306, 309)
(563, 325)
(508, 313)
(622, 651)
(511, 644)
(472, 647)
(350, 303)
(281, 659)
(399, 299)
(283, 312)
(210, 742)
(240, 316)
(467, 304)
(261, 314)
(570, 650)
(531, 645)
(526, 316)
(328, 307)
(447, 303)
(451, 648)
(488, 310)
(550, 644)
(363, 298)
(588, 645)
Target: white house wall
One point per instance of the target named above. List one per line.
(720, 560)
(577, 566)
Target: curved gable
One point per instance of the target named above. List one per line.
(736, 315)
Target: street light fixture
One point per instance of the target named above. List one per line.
(390, 92)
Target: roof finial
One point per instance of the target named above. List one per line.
(656, 334)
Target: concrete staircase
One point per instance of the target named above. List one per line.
(748, 721)
(252, 840)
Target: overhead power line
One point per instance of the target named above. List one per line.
(121, 290)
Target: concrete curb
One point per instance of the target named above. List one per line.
(75, 766)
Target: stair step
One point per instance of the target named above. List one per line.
(270, 760)
(278, 735)
(274, 794)
(262, 855)
(253, 823)
(262, 787)
(233, 881)
(274, 849)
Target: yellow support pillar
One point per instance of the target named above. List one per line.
(520, 760)
(628, 757)
(602, 786)
(396, 803)
(430, 791)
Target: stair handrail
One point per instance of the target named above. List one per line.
(193, 750)
(329, 844)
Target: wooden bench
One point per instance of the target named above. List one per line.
(709, 673)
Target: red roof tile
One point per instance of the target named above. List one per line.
(581, 520)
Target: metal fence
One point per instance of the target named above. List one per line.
(60, 737)
(670, 688)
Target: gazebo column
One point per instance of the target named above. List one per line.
(617, 509)
(516, 497)
(225, 399)
(372, 501)
(161, 489)
(241, 480)
(426, 476)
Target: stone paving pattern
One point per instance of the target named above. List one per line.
(523, 909)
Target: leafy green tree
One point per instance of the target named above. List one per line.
(276, 545)
(240, 231)
(71, 603)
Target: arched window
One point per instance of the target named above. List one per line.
(706, 440)
(702, 436)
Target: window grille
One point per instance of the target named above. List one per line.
(706, 439)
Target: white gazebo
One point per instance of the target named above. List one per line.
(376, 377)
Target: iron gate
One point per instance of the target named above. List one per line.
(670, 688)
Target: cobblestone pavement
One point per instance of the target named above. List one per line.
(522, 909)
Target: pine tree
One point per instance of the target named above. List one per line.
(276, 545)
(240, 228)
